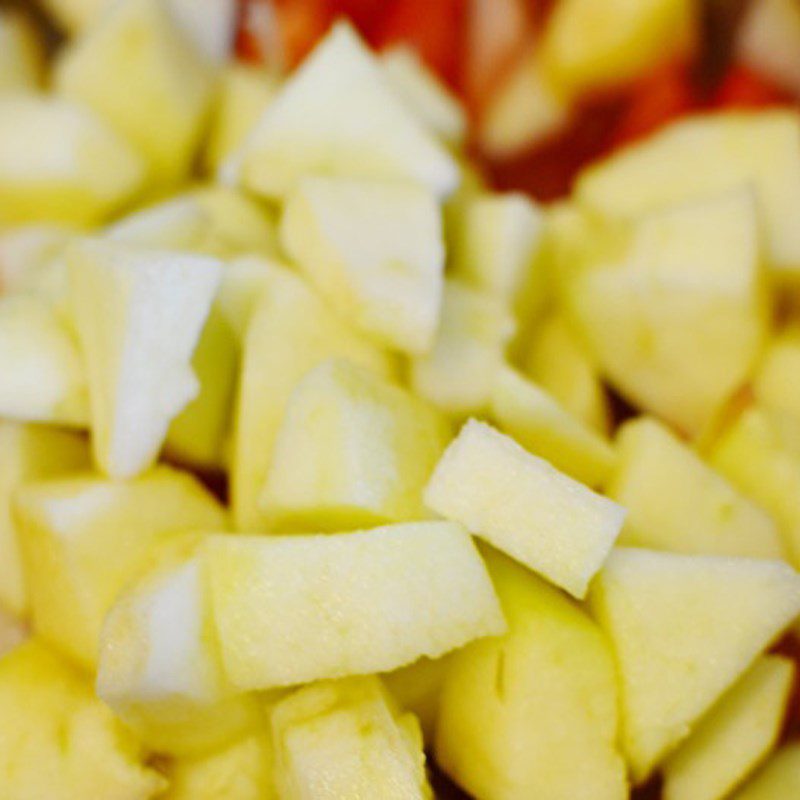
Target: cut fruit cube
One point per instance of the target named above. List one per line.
(159, 667)
(676, 502)
(21, 53)
(43, 374)
(525, 507)
(244, 281)
(778, 779)
(704, 156)
(351, 239)
(734, 737)
(469, 349)
(61, 742)
(140, 72)
(337, 115)
(28, 453)
(352, 451)
(683, 630)
(61, 163)
(346, 739)
(541, 425)
(774, 384)
(25, 251)
(515, 710)
(293, 609)
(174, 224)
(139, 314)
(84, 539)
(291, 332)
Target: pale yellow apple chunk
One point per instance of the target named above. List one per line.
(58, 741)
(352, 450)
(61, 163)
(292, 609)
(676, 502)
(734, 737)
(774, 383)
(346, 739)
(139, 314)
(683, 630)
(159, 666)
(83, 539)
(522, 505)
(779, 779)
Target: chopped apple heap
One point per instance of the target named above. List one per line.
(306, 328)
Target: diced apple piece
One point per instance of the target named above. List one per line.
(558, 362)
(159, 667)
(731, 740)
(293, 609)
(469, 349)
(137, 69)
(676, 502)
(352, 451)
(525, 507)
(84, 539)
(139, 314)
(779, 778)
(345, 739)
(43, 376)
(241, 771)
(423, 93)
(674, 308)
(209, 24)
(337, 115)
(684, 629)
(28, 453)
(351, 239)
(21, 54)
(244, 281)
(291, 332)
(25, 251)
(174, 224)
(59, 741)
(540, 424)
(61, 163)
(707, 155)
(534, 713)
(774, 383)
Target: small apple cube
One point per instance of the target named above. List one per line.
(61, 163)
(774, 383)
(84, 539)
(139, 314)
(522, 505)
(676, 502)
(346, 739)
(684, 629)
(293, 609)
(352, 450)
(533, 713)
(338, 116)
(778, 779)
(21, 53)
(58, 741)
(734, 737)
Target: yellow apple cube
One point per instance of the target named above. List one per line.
(778, 779)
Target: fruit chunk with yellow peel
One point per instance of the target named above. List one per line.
(159, 667)
(291, 331)
(707, 155)
(683, 629)
(778, 779)
(139, 314)
(734, 737)
(137, 70)
(338, 116)
(58, 740)
(587, 47)
(523, 506)
(28, 453)
(240, 771)
(21, 53)
(347, 739)
(43, 375)
(516, 710)
(469, 349)
(676, 502)
(541, 425)
(84, 539)
(351, 239)
(352, 451)
(673, 307)
(293, 609)
(61, 163)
